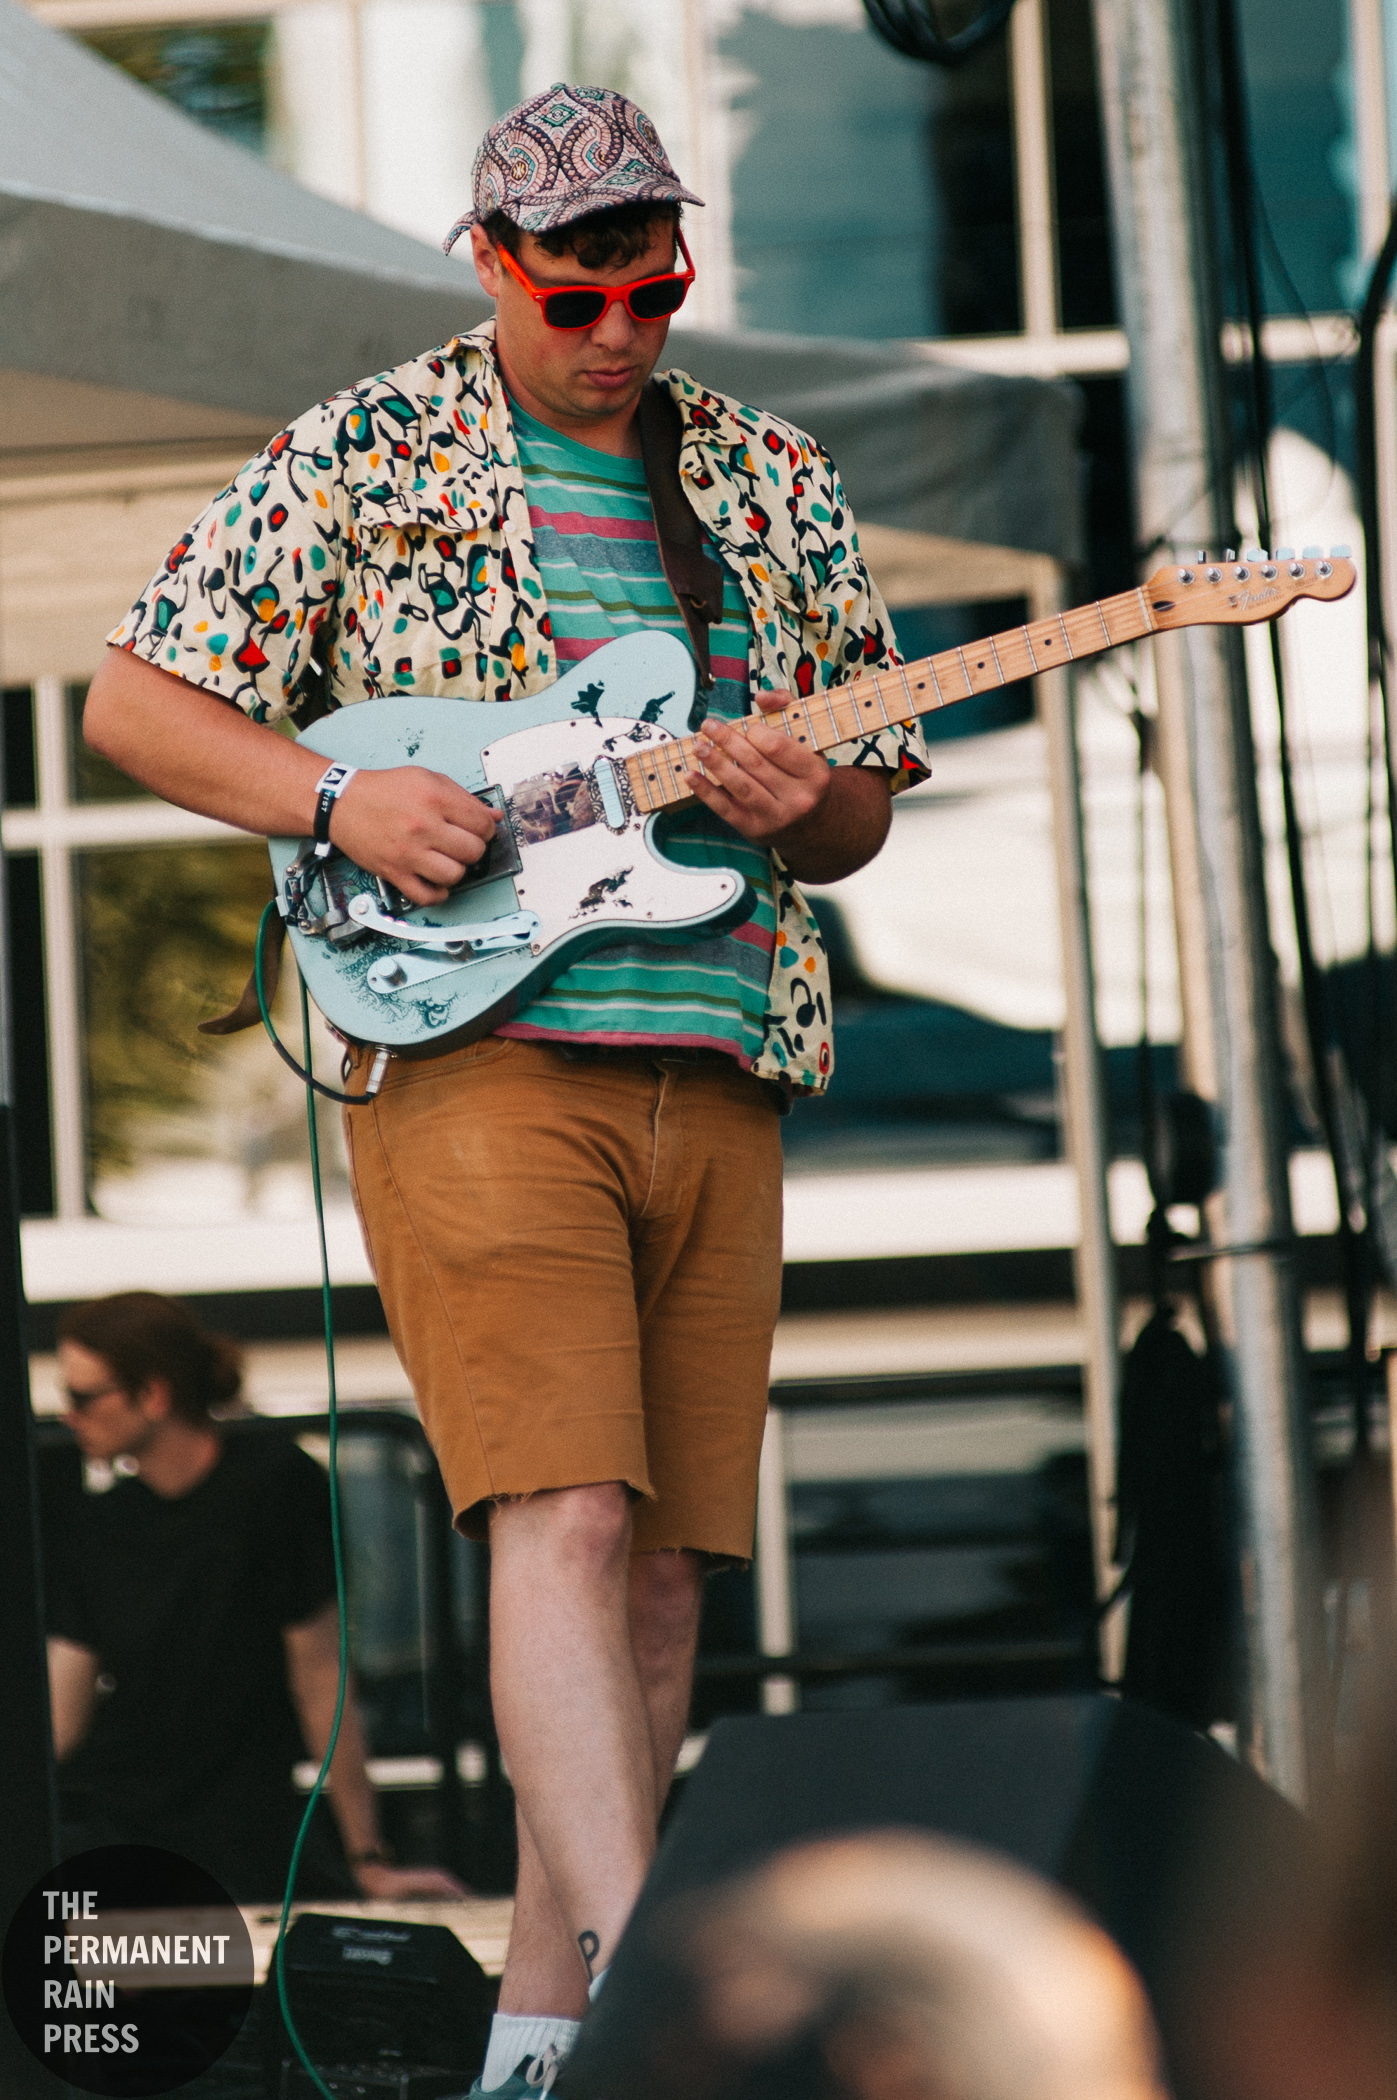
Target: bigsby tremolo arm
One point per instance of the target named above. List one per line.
(517, 929)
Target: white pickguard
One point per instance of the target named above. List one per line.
(598, 877)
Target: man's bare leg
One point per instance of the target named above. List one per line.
(666, 1598)
(573, 1729)
(621, 1636)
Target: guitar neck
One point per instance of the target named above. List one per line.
(884, 699)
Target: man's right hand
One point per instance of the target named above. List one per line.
(183, 742)
(418, 829)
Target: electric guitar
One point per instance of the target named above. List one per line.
(582, 775)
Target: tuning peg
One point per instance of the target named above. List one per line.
(1202, 556)
(1230, 555)
(1341, 553)
(1311, 553)
(1253, 554)
(1283, 554)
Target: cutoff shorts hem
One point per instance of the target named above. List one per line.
(472, 1518)
(715, 1548)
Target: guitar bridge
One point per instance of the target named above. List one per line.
(332, 876)
(501, 856)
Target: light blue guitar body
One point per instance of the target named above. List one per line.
(574, 866)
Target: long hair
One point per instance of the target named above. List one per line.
(143, 1335)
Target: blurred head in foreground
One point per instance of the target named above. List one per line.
(1311, 2014)
(925, 1970)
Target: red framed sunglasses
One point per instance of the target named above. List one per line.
(583, 305)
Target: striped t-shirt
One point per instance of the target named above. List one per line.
(596, 550)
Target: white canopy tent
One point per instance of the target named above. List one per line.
(167, 301)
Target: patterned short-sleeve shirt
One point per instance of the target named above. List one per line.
(382, 544)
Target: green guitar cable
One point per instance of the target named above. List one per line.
(336, 1539)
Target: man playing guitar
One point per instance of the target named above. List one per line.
(576, 1221)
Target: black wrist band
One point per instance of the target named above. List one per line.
(331, 785)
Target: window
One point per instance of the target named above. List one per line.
(129, 924)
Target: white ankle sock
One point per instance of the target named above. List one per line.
(514, 2036)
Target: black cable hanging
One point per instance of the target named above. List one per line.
(911, 27)
(1379, 664)
(1366, 440)
(1354, 1236)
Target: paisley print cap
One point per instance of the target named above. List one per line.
(564, 153)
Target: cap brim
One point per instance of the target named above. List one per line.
(547, 218)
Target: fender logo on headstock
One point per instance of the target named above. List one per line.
(1207, 595)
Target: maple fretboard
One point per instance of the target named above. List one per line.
(881, 699)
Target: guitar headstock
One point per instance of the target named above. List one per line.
(1235, 593)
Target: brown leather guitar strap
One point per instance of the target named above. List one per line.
(247, 1013)
(694, 577)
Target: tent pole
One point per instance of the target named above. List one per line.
(28, 1800)
(1154, 102)
(1087, 1130)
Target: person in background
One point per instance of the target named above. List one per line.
(193, 1629)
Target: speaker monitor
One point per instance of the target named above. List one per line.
(1170, 1843)
(385, 2010)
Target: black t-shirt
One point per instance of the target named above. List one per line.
(184, 1600)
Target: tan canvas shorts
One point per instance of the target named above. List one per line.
(580, 1260)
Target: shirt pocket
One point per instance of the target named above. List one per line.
(426, 593)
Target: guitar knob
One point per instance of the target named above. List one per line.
(1268, 570)
(1297, 570)
(1215, 575)
(1324, 568)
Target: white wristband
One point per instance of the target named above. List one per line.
(331, 785)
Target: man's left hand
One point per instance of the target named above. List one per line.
(399, 1884)
(757, 779)
(824, 821)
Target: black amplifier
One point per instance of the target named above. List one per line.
(395, 2010)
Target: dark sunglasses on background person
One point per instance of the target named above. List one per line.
(583, 305)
